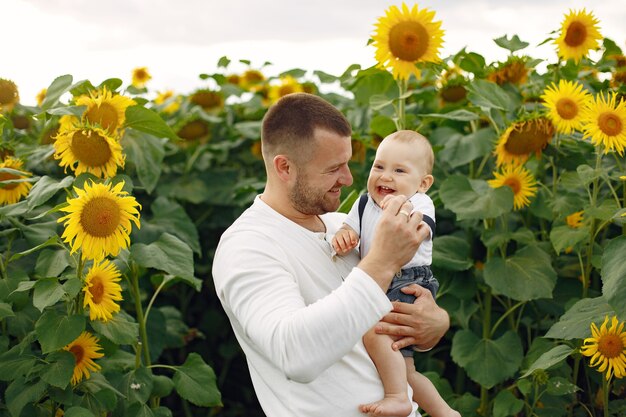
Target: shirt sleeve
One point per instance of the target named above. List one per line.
(261, 293)
(352, 219)
(424, 204)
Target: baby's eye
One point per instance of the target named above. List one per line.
(378, 166)
(400, 170)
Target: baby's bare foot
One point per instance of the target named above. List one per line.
(389, 406)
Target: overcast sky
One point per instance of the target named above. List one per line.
(179, 39)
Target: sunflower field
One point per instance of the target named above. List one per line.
(113, 198)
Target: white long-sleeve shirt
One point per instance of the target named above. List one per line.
(299, 315)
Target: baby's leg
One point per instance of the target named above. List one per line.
(425, 394)
(392, 371)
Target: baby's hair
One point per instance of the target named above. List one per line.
(424, 147)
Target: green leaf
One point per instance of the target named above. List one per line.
(167, 254)
(563, 237)
(51, 241)
(195, 381)
(513, 44)
(56, 331)
(250, 129)
(505, 404)
(462, 149)
(451, 252)
(561, 386)
(604, 212)
(171, 216)
(475, 199)
(76, 111)
(47, 292)
(59, 86)
(6, 311)
(486, 361)
(576, 322)
(473, 62)
(72, 286)
(488, 95)
(148, 121)
(78, 412)
(51, 263)
(614, 275)
(45, 188)
(525, 276)
(460, 115)
(20, 392)
(121, 329)
(146, 153)
(382, 125)
(163, 386)
(137, 385)
(347, 202)
(380, 101)
(140, 410)
(547, 360)
(15, 363)
(59, 369)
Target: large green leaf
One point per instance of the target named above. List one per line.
(15, 363)
(486, 361)
(78, 412)
(171, 216)
(525, 276)
(6, 310)
(47, 292)
(513, 44)
(462, 149)
(121, 329)
(550, 358)
(51, 263)
(451, 252)
(21, 392)
(59, 368)
(488, 95)
(614, 275)
(45, 188)
(576, 322)
(137, 385)
(475, 199)
(146, 153)
(195, 381)
(506, 404)
(563, 237)
(59, 86)
(55, 330)
(148, 121)
(460, 115)
(168, 254)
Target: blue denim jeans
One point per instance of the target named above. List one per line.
(420, 275)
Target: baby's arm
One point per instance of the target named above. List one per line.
(345, 240)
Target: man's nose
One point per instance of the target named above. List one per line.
(346, 177)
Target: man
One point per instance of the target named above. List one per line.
(298, 313)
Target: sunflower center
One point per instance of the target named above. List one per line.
(100, 217)
(97, 290)
(193, 130)
(610, 124)
(105, 115)
(8, 92)
(91, 149)
(408, 41)
(566, 108)
(4, 176)
(514, 183)
(530, 136)
(610, 345)
(576, 34)
(453, 93)
(78, 353)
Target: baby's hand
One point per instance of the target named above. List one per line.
(344, 241)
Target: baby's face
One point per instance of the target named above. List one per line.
(396, 170)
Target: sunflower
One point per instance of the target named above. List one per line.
(99, 220)
(140, 77)
(194, 129)
(207, 99)
(251, 80)
(607, 348)
(85, 349)
(513, 71)
(234, 79)
(102, 291)
(89, 149)
(41, 96)
(288, 85)
(579, 34)
(523, 138)
(105, 109)
(173, 104)
(521, 182)
(575, 220)
(11, 193)
(565, 104)
(604, 122)
(9, 95)
(404, 38)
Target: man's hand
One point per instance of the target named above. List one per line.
(422, 323)
(345, 240)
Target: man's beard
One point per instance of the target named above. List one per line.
(308, 201)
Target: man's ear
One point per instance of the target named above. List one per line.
(283, 167)
(426, 183)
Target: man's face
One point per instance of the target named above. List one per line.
(317, 187)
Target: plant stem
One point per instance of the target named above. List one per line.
(143, 334)
(403, 86)
(484, 392)
(605, 395)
